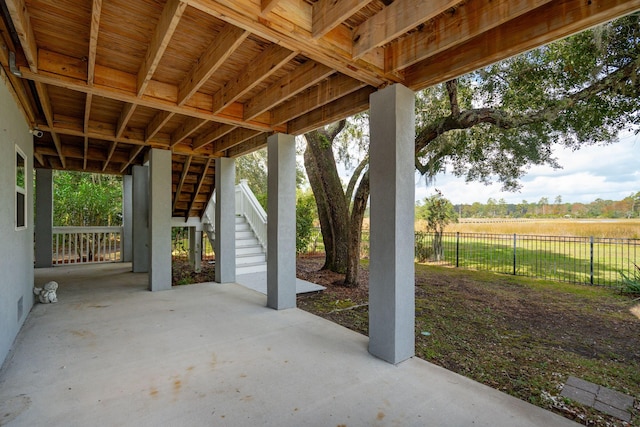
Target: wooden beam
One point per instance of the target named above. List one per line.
(349, 105)
(45, 101)
(267, 6)
(334, 51)
(199, 186)
(247, 147)
(183, 176)
(189, 126)
(96, 10)
(212, 135)
(229, 39)
(395, 20)
(125, 115)
(303, 77)
(461, 24)
(22, 24)
(159, 120)
(39, 158)
(167, 24)
(545, 24)
(112, 149)
(261, 68)
(86, 153)
(62, 71)
(329, 90)
(132, 157)
(23, 97)
(236, 137)
(328, 14)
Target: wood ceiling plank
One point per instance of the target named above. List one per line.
(327, 91)
(22, 24)
(117, 85)
(236, 137)
(189, 126)
(328, 51)
(229, 39)
(395, 20)
(125, 115)
(267, 6)
(112, 149)
(328, 14)
(134, 154)
(303, 77)
(159, 120)
(47, 109)
(212, 135)
(261, 68)
(167, 24)
(473, 18)
(549, 22)
(346, 106)
(96, 10)
(183, 176)
(247, 147)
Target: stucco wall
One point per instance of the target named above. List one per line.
(16, 246)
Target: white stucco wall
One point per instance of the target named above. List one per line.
(16, 246)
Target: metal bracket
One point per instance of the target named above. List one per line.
(12, 65)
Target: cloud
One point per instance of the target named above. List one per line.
(606, 172)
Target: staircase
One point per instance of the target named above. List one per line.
(250, 255)
(251, 230)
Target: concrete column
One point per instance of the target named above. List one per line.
(140, 222)
(159, 220)
(281, 224)
(391, 268)
(195, 248)
(44, 218)
(225, 220)
(127, 218)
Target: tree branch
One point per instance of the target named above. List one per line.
(452, 90)
(354, 178)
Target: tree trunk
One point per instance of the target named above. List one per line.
(332, 207)
(355, 231)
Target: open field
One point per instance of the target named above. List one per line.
(609, 228)
(520, 335)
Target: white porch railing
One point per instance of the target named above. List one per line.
(246, 205)
(82, 245)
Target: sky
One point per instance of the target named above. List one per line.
(609, 172)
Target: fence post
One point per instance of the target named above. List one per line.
(457, 249)
(591, 259)
(514, 253)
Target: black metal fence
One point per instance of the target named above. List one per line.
(587, 260)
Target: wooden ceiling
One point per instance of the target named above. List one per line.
(107, 80)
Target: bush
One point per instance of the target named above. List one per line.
(305, 213)
(631, 285)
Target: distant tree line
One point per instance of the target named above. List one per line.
(629, 207)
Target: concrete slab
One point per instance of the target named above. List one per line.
(603, 399)
(112, 353)
(258, 282)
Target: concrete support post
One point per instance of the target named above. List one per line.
(159, 220)
(127, 218)
(195, 248)
(391, 267)
(225, 220)
(140, 222)
(44, 218)
(281, 226)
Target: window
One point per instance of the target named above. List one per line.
(21, 190)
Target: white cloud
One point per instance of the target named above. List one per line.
(606, 172)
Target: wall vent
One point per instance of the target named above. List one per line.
(19, 309)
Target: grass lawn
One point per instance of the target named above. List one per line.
(519, 335)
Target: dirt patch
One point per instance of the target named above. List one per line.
(519, 335)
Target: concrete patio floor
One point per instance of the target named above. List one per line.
(111, 353)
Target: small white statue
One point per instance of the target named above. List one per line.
(47, 294)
